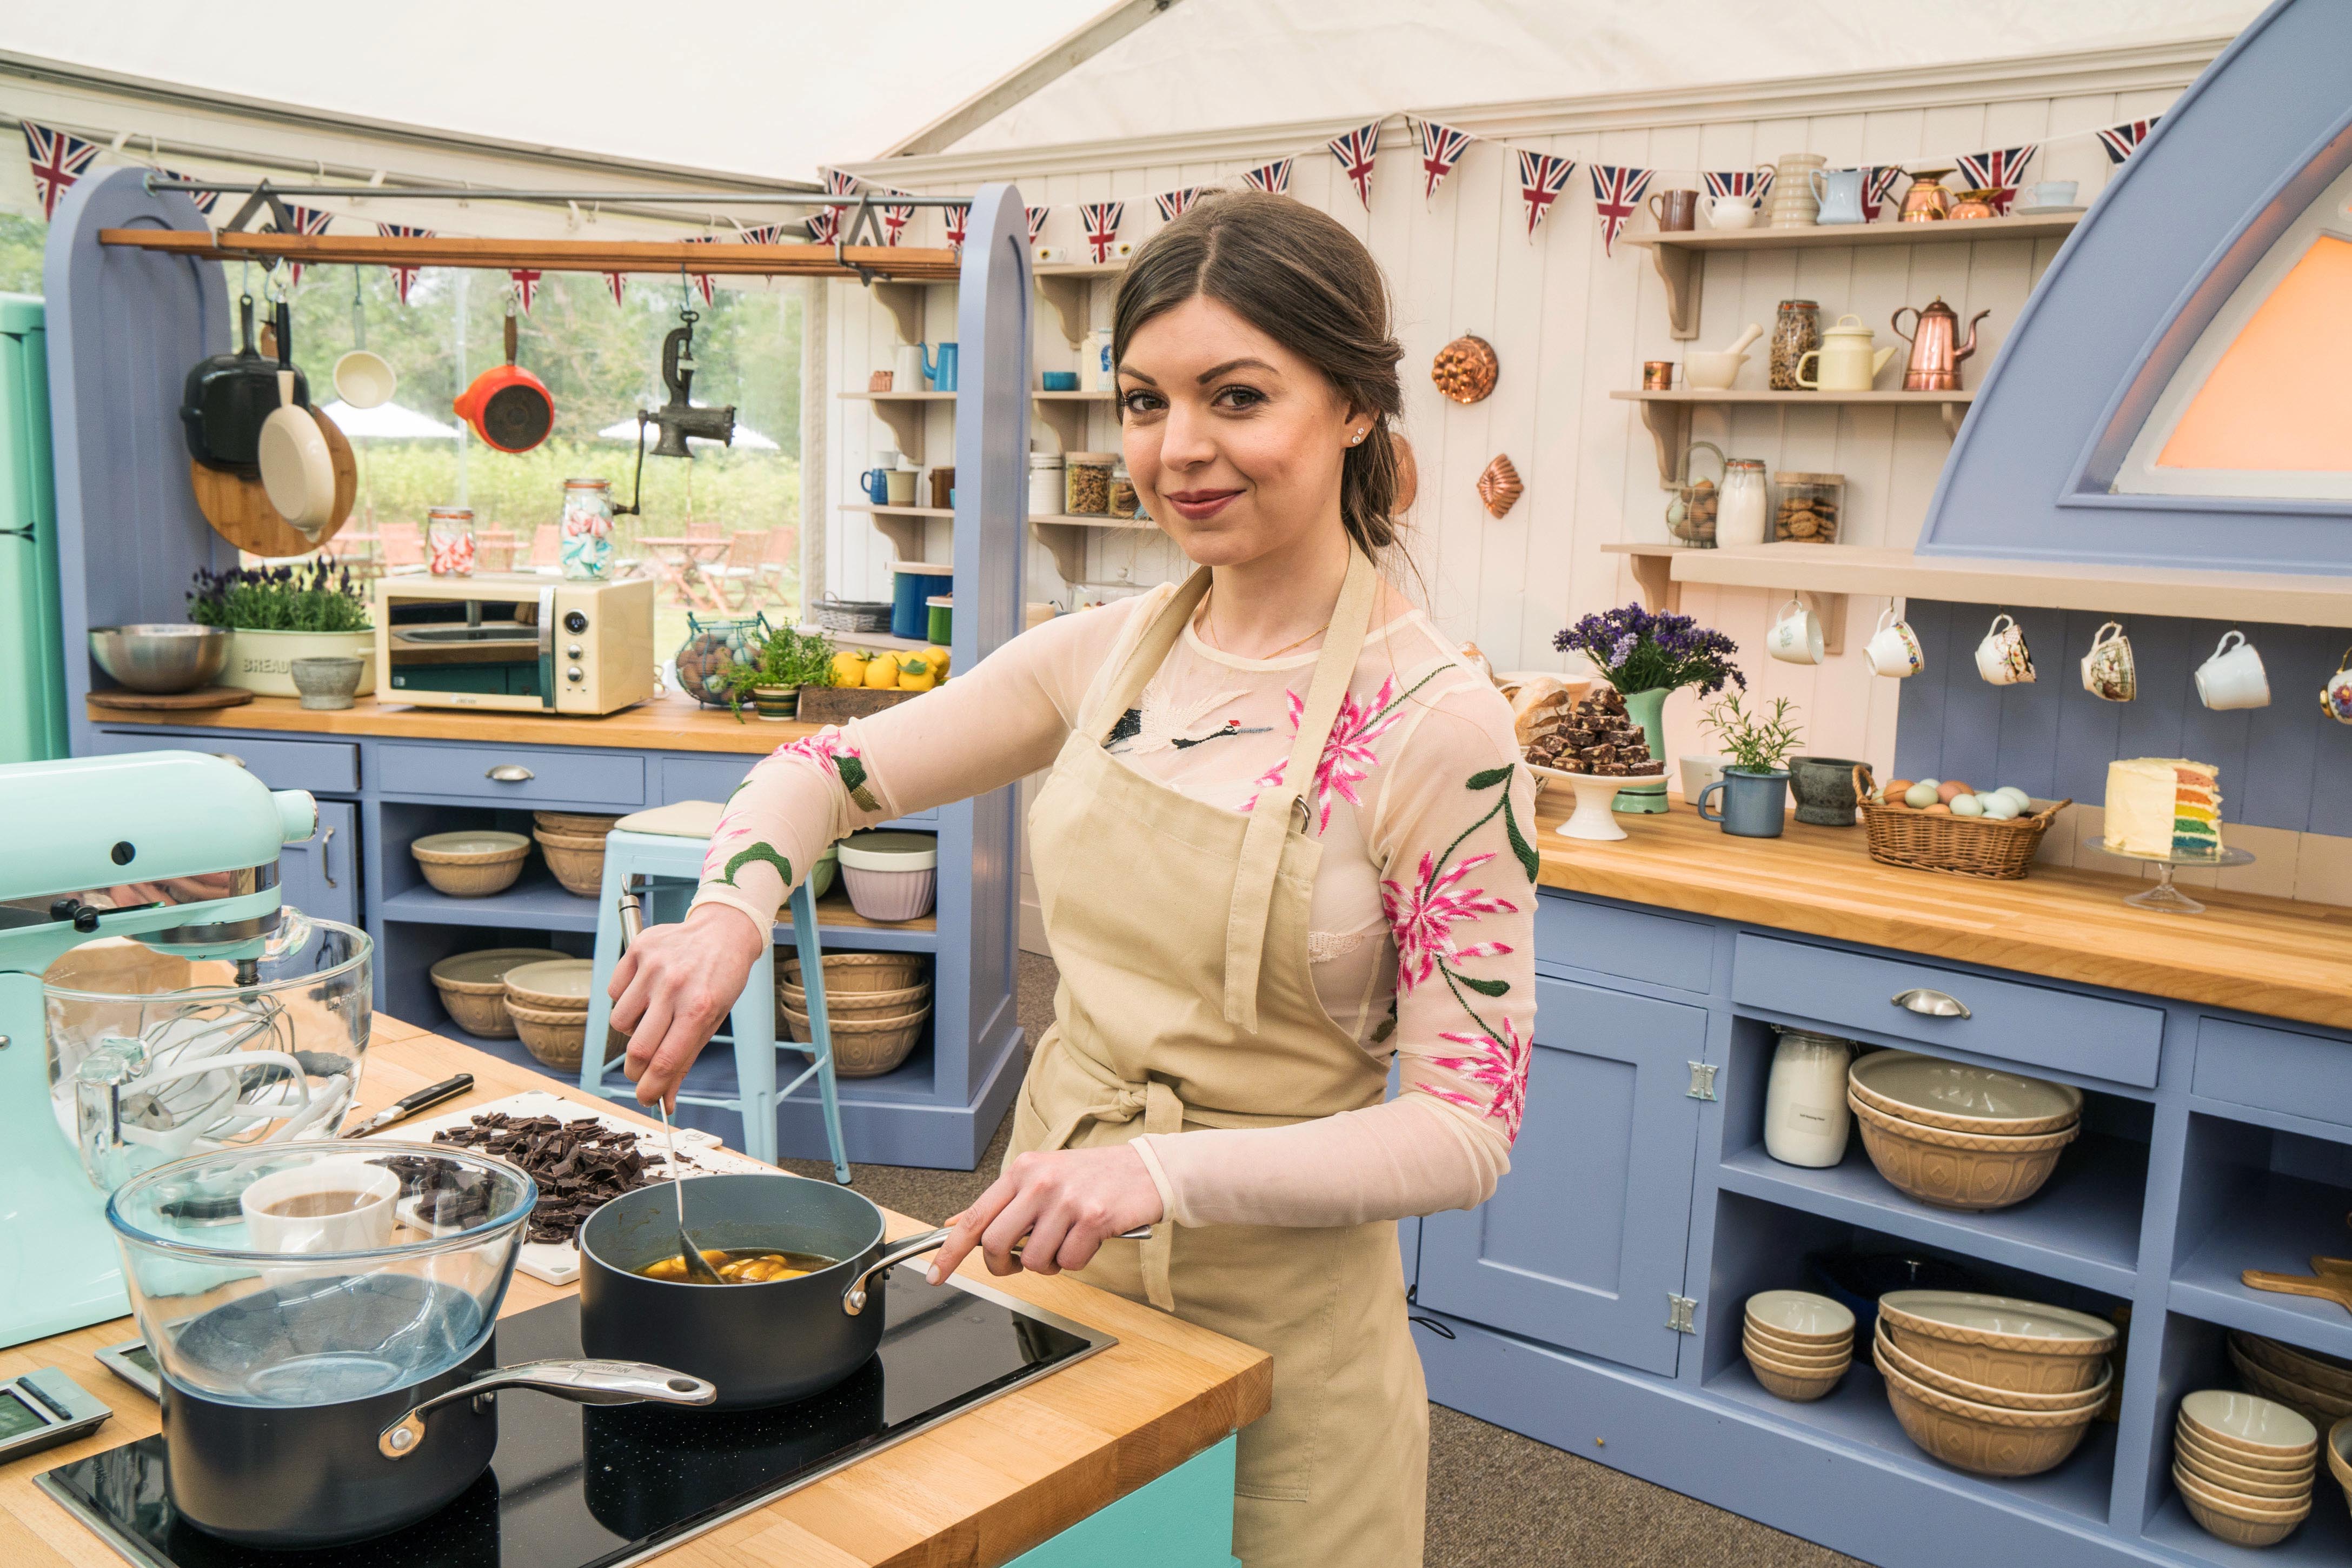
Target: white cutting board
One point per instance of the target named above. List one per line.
(558, 1263)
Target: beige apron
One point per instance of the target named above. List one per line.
(1186, 1002)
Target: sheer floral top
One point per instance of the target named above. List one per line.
(1423, 905)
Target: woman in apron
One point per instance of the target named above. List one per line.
(1283, 849)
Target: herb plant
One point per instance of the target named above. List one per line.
(1759, 743)
(279, 599)
(788, 658)
(1638, 651)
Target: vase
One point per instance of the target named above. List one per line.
(776, 705)
(1755, 805)
(1647, 709)
(263, 662)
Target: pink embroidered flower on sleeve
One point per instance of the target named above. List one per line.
(1500, 1065)
(1421, 918)
(1348, 758)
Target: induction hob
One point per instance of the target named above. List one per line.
(600, 1486)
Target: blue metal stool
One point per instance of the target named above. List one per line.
(677, 858)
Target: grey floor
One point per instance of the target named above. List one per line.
(1495, 1498)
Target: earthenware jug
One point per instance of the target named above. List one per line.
(1828, 789)
(1847, 360)
(1840, 192)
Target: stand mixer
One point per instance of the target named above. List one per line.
(177, 849)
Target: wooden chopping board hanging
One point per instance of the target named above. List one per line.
(239, 509)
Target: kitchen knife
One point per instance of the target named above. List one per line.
(401, 1110)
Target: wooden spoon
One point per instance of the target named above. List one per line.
(2332, 1288)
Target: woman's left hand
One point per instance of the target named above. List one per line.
(1066, 1202)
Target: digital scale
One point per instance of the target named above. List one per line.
(43, 1409)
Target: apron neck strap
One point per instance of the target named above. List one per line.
(1262, 841)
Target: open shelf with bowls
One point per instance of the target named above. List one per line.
(2261, 1198)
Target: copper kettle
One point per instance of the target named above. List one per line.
(1935, 348)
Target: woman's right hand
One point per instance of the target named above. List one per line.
(672, 986)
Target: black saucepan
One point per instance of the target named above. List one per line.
(226, 398)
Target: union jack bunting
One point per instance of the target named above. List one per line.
(1878, 188)
(1616, 191)
(761, 233)
(895, 219)
(957, 218)
(1036, 216)
(205, 200)
(1101, 219)
(826, 224)
(703, 282)
(1754, 183)
(403, 278)
(618, 282)
(307, 220)
(58, 159)
(1997, 171)
(1175, 204)
(2122, 141)
(526, 285)
(1355, 151)
(1541, 179)
(1272, 178)
(1442, 147)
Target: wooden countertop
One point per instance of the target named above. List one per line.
(2268, 955)
(669, 724)
(978, 1490)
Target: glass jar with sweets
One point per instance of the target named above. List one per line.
(449, 542)
(1809, 508)
(585, 548)
(1044, 484)
(1086, 486)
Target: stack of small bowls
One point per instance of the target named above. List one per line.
(2315, 1385)
(1992, 1385)
(549, 1003)
(1798, 1345)
(1958, 1136)
(2337, 1446)
(2244, 1466)
(573, 843)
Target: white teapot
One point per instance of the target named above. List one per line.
(1731, 212)
(1846, 360)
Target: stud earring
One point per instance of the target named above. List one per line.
(1357, 439)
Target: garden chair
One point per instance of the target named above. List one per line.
(494, 549)
(738, 577)
(546, 545)
(403, 547)
(781, 556)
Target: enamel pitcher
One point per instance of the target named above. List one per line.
(1847, 360)
(1840, 192)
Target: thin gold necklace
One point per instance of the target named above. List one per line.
(1208, 625)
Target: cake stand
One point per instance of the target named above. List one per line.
(1592, 819)
(2164, 896)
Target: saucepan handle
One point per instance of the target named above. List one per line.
(853, 1300)
(581, 1381)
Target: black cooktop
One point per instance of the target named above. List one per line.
(575, 1487)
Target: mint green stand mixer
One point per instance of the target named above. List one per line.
(178, 849)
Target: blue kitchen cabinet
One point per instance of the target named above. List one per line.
(320, 876)
(1584, 1242)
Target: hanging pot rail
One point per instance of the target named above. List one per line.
(668, 256)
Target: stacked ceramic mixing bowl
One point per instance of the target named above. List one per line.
(2315, 1385)
(573, 843)
(548, 1002)
(1992, 1385)
(2244, 1466)
(1797, 1343)
(1958, 1136)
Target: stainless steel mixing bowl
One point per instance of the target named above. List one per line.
(161, 656)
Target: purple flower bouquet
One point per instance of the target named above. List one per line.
(1638, 651)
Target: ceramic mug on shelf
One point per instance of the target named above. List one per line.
(1731, 212)
(2001, 658)
(1893, 648)
(907, 368)
(2336, 697)
(898, 488)
(2051, 194)
(875, 483)
(2108, 672)
(2233, 676)
(1675, 210)
(1796, 637)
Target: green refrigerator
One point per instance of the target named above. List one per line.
(32, 663)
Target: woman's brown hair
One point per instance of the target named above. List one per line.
(1297, 275)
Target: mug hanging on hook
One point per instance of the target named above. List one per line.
(363, 379)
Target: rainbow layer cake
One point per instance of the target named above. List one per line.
(2163, 805)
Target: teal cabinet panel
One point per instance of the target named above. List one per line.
(32, 639)
(1184, 1520)
(1585, 1238)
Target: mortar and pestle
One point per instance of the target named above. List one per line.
(1828, 789)
(1713, 370)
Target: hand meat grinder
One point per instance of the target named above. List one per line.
(177, 849)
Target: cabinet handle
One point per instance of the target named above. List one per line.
(231, 757)
(1933, 1004)
(326, 856)
(510, 772)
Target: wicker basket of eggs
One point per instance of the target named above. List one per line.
(1948, 825)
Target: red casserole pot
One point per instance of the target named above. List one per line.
(507, 405)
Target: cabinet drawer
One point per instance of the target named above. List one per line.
(323, 767)
(2284, 1070)
(2036, 1026)
(544, 778)
(1631, 945)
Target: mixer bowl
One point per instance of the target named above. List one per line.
(161, 657)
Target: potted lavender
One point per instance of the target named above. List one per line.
(1645, 657)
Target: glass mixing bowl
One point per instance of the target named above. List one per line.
(313, 1273)
(155, 1054)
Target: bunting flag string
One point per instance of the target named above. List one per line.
(761, 233)
(1272, 178)
(307, 220)
(403, 278)
(959, 218)
(1036, 216)
(205, 200)
(1878, 188)
(895, 219)
(1175, 204)
(526, 285)
(1754, 183)
(826, 224)
(1355, 150)
(1101, 220)
(1997, 171)
(1442, 147)
(1616, 193)
(704, 284)
(58, 159)
(618, 282)
(2122, 141)
(1542, 177)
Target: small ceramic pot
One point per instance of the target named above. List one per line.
(328, 681)
(1827, 789)
(775, 704)
(1754, 804)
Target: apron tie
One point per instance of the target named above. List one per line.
(1163, 1113)
(1118, 1103)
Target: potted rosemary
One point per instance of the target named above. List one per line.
(1755, 782)
(276, 614)
(787, 660)
(1646, 657)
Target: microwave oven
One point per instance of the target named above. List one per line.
(515, 643)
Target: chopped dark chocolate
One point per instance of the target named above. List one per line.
(580, 1165)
